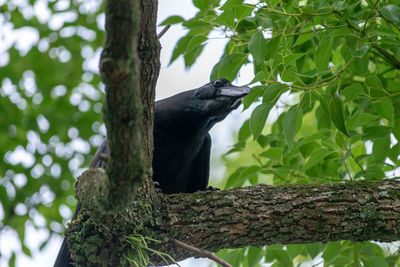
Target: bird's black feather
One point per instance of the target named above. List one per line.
(181, 159)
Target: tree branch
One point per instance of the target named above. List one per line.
(129, 66)
(123, 110)
(251, 216)
(163, 31)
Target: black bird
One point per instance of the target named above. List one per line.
(181, 160)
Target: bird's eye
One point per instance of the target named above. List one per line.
(218, 83)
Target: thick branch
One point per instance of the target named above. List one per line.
(123, 109)
(251, 216)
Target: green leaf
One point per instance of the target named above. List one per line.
(353, 91)
(341, 32)
(324, 102)
(172, 20)
(396, 133)
(374, 82)
(323, 120)
(241, 175)
(361, 52)
(291, 59)
(257, 47)
(289, 124)
(232, 3)
(272, 47)
(201, 4)
(374, 173)
(254, 256)
(294, 250)
(376, 132)
(226, 18)
(193, 49)
(228, 66)
(258, 119)
(26, 250)
(336, 113)
(314, 249)
(289, 73)
(385, 109)
(370, 249)
(380, 149)
(316, 156)
(263, 21)
(304, 38)
(323, 53)
(180, 47)
(273, 153)
(272, 93)
(244, 132)
(332, 250)
(255, 93)
(274, 252)
(11, 261)
(392, 13)
(243, 11)
(191, 56)
(375, 261)
(394, 153)
(260, 76)
(195, 41)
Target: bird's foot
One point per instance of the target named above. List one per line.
(210, 188)
(157, 187)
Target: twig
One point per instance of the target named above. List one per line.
(201, 252)
(278, 12)
(104, 156)
(389, 57)
(313, 29)
(166, 28)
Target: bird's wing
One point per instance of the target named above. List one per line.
(200, 172)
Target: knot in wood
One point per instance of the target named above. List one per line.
(110, 70)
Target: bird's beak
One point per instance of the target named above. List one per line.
(234, 91)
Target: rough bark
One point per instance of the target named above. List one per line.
(123, 109)
(149, 54)
(251, 216)
(129, 66)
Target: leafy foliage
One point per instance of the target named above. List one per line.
(50, 108)
(331, 71)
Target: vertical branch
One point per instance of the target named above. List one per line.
(149, 54)
(123, 109)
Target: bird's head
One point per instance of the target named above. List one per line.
(196, 111)
(218, 98)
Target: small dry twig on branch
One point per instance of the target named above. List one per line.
(166, 28)
(201, 252)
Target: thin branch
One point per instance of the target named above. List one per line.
(201, 252)
(163, 31)
(278, 12)
(313, 29)
(389, 57)
(317, 30)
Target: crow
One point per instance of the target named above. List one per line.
(181, 159)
